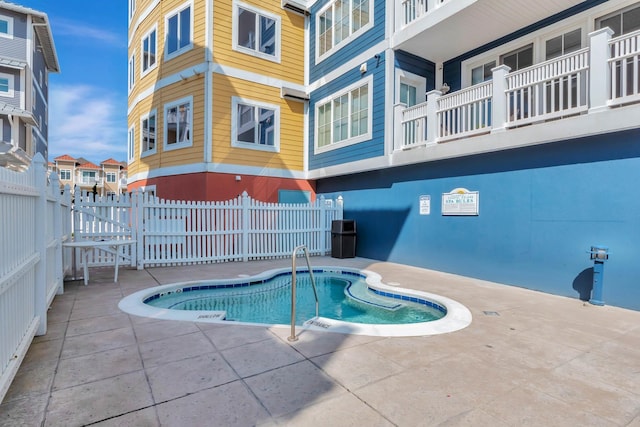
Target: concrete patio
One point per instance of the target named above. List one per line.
(527, 358)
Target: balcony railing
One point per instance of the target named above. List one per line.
(410, 10)
(606, 74)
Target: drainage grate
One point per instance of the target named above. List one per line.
(491, 313)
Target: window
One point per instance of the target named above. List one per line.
(89, 177)
(131, 143)
(149, 51)
(340, 21)
(563, 44)
(410, 88)
(40, 78)
(132, 71)
(621, 22)
(519, 58)
(482, 73)
(6, 85)
(65, 174)
(148, 134)
(177, 118)
(178, 28)
(132, 9)
(111, 177)
(255, 125)
(344, 118)
(6, 27)
(256, 33)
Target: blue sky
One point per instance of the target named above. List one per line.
(88, 98)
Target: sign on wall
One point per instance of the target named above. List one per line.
(460, 201)
(425, 205)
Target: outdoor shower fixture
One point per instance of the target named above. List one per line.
(599, 254)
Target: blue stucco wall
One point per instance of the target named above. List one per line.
(541, 208)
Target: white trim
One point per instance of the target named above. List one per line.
(154, 150)
(141, 18)
(218, 168)
(131, 143)
(131, 77)
(235, 101)
(352, 34)
(144, 72)
(367, 81)
(180, 50)
(178, 145)
(259, 12)
(208, 85)
(10, 85)
(9, 33)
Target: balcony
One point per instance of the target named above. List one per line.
(434, 25)
(599, 78)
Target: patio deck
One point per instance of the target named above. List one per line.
(532, 359)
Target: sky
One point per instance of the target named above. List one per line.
(88, 98)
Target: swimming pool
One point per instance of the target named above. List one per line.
(351, 301)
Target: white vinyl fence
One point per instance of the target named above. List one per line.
(182, 233)
(34, 221)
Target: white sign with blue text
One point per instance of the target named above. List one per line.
(460, 201)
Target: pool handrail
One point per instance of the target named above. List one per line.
(305, 251)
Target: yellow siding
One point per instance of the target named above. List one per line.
(291, 66)
(290, 156)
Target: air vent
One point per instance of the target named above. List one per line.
(293, 94)
(299, 7)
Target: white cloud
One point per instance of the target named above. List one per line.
(75, 29)
(84, 121)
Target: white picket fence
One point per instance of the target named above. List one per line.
(34, 221)
(169, 232)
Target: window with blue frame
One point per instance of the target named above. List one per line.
(344, 118)
(339, 22)
(256, 32)
(255, 125)
(178, 31)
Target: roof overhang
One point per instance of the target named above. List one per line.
(24, 115)
(16, 64)
(12, 157)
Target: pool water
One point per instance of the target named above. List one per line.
(342, 296)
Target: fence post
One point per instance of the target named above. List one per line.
(137, 206)
(54, 185)
(245, 226)
(600, 71)
(40, 180)
(499, 99)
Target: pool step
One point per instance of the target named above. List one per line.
(359, 291)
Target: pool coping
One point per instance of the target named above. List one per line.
(457, 316)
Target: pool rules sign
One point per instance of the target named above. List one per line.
(460, 201)
(425, 205)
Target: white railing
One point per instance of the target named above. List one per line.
(624, 66)
(464, 113)
(182, 233)
(34, 222)
(548, 90)
(410, 10)
(605, 75)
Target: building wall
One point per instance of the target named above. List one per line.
(541, 209)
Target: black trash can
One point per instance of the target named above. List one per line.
(343, 238)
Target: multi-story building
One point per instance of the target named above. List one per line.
(27, 56)
(108, 179)
(493, 139)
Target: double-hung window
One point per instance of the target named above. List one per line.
(6, 27)
(111, 177)
(132, 71)
(178, 30)
(148, 134)
(255, 125)
(65, 174)
(149, 46)
(344, 118)
(177, 119)
(131, 143)
(563, 44)
(6, 85)
(339, 22)
(256, 32)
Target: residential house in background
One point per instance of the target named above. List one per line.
(27, 56)
(109, 178)
(487, 138)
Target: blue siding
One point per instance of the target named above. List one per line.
(348, 51)
(541, 208)
(363, 150)
(418, 66)
(452, 69)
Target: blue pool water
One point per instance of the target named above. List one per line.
(343, 295)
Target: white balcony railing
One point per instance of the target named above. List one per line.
(410, 10)
(605, 75)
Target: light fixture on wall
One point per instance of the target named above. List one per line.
(445, 88)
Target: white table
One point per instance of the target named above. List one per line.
(109, 246)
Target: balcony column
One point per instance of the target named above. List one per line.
(600, 71)
(398, 131)
(499, 99)
(432, 116)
